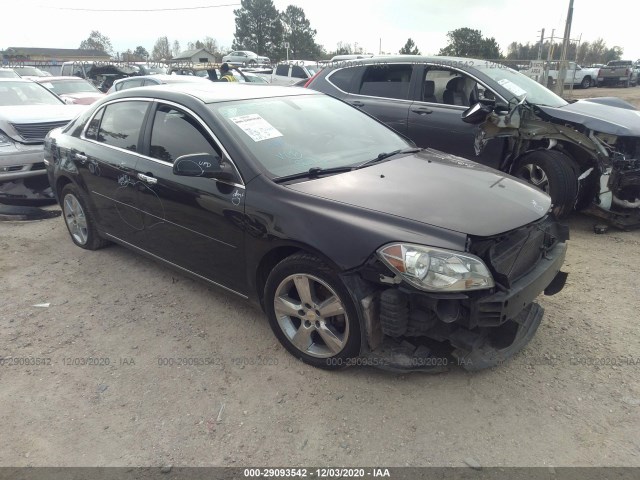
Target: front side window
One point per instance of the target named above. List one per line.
(94, 126)
(388, 81)
(175, 133)
(121, 124)
(449, 87)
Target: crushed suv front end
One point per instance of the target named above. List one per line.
(409, 326)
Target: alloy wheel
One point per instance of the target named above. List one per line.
(535, 175)
(75, 218)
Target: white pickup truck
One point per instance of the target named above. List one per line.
(576, 75)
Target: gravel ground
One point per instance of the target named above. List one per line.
(571, 398)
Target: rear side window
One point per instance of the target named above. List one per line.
(389, 81)
(176, 133)
(282, 70)
(298, 72)
(121, 124)
(342, 79)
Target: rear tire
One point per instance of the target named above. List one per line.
(586, 82)
(311, 312)
(554, 173)
(79, 221)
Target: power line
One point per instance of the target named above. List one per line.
(139, 9)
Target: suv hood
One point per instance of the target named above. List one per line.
(622, 122)
(437, 189)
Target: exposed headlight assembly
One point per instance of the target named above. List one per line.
(436, 270)
(5, 141)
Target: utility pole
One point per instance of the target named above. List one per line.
(380, 48)
(562, 74)
(541, 42)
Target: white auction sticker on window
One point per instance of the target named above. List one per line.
(512, 87)
(256, 127)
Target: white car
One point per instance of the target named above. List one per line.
(245, 58)
(28, 111)
(293, 71)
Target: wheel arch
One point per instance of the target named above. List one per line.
(275, 255)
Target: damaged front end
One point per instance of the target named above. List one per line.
(411, 328)
(605, 154)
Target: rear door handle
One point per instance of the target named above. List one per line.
(422, 110)
(357, 103)
(146, 178)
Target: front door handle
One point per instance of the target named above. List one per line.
(422, 110)
(147, 178)
(357, 103)
(81, 156)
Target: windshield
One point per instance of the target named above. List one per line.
(30, 72)
(26, 93)
(519, 85)
(62, 87)
(290, 135)
(8, 74)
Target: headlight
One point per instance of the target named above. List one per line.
(5, 141)
(435, 269)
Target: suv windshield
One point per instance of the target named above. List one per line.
(290, 135)
(26, 93)
(520, 85)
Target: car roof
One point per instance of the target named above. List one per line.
(163, 78)
(214, 92)
(15, 79)
(55, 79)
(445, 61)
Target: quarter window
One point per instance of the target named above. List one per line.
(342, 78)
(121, 124)
(176, 133)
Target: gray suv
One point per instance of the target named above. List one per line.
(584, 154)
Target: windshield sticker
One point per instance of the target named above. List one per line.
(512, 87)
(256, 127)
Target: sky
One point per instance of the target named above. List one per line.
(38, 23)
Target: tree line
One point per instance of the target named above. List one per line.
(261, 28)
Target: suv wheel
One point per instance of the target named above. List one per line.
(311, 312)
(554, 173)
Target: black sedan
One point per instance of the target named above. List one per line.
(358, 246)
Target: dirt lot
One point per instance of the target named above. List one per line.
(571, 398)
(631, 95)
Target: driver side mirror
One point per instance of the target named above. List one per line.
(203, 165)
(478, 113)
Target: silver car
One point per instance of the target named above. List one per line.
(28, 111)
(244, 58)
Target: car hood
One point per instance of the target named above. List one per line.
(83, 98)
(598, 117)
(25, 114)
(437, 189)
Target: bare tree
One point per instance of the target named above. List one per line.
(161, 49)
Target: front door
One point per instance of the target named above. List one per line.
(189, 221)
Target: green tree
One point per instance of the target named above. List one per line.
(410, 48)
(161, 49)
(97, 41)
(141, 52)
(467, 42)
(258, 28)
(298, 32)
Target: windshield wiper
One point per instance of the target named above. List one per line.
(385, 155)
(313, 172)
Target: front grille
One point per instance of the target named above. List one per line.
(35, 132)
(514, 254)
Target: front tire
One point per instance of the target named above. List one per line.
(586, 82)
(552, 172)
(311, 312)
(79, 220)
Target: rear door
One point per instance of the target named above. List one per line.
(106, 160)
(192, 222)
(383, 91)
